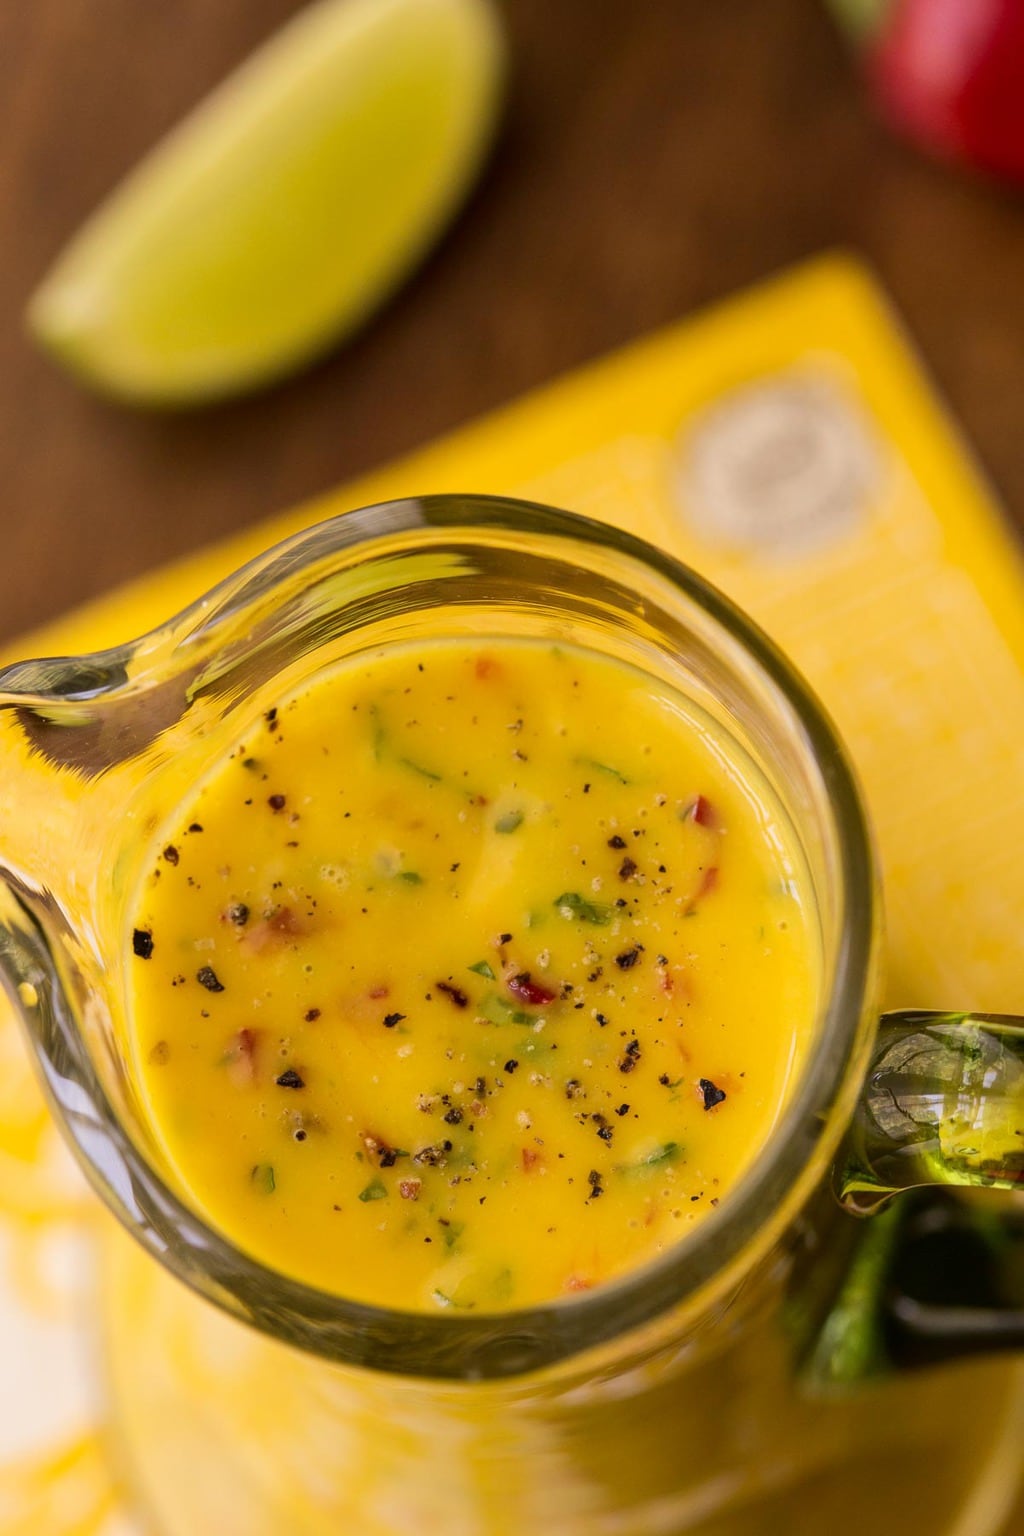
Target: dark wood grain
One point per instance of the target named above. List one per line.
(654, 156)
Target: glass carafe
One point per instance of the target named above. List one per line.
(758, 1377)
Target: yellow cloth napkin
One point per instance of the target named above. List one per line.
(787, 446)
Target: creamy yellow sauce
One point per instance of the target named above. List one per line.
(474, 976)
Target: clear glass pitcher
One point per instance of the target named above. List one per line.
(763, 1376)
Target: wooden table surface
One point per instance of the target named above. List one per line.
(656, 154)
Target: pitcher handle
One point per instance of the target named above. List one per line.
(930, 1278)
(942, 1103)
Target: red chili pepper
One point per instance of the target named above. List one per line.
(950, 73)
(529, 991)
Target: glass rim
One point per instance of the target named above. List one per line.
(513, 1342)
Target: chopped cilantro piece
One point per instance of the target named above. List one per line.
(572, 904)
(424, 773)
(656, 1159)
(606, 768)
(498, 1010)
(375, 1190)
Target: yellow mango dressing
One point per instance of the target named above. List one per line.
(474, 975)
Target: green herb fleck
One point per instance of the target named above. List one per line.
(606, 768)
(483, 969)
(263, 1178)
(503, 1285)
(572, 904)
(664, 1154)
(410, 877)
(424, 773)
(379, 734)
(375, 1190)
(498, 1010)
(510, 822)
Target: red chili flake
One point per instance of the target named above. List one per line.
(709, 881)
(577, 1283)
(486, 666)
(629, 957)
(376, 993)
(456, 994)
(710, 1094)
(616, 841)
(276, 802)
(171, 854)
(142, 943)
(242, 1056)
(311, 1015)
(160, 1053)
(391, 1019)
(290, 1079)
(409, 1189)
(207, 977)
(529, 1158)
(627, 869)
(702, 812)
(274, 926)
(529, 991)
